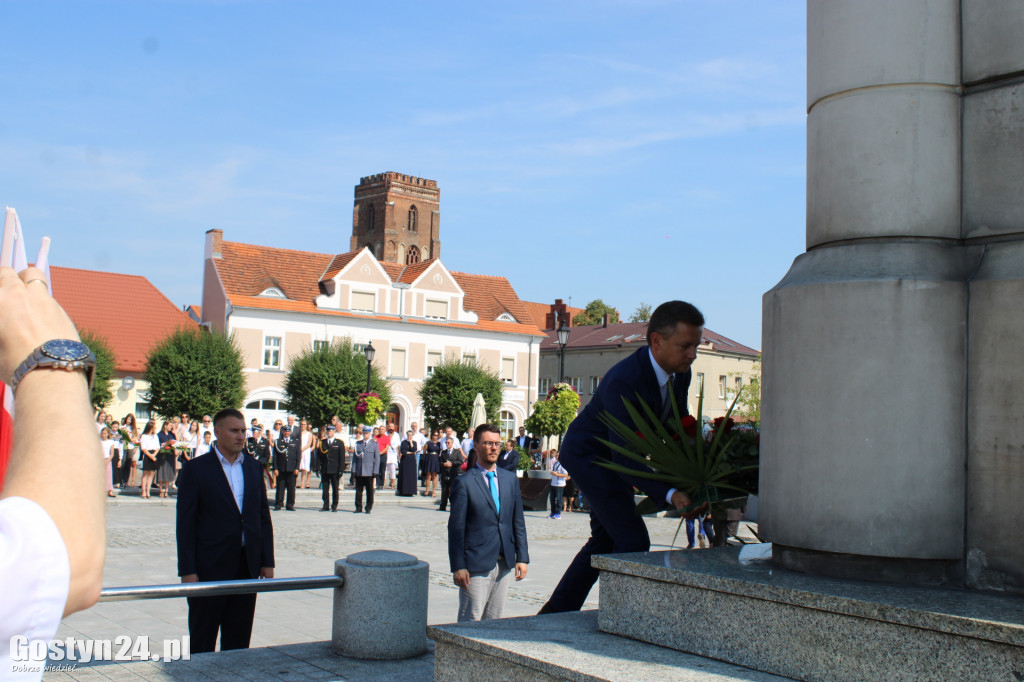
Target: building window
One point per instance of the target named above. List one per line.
(363, 300)
(739, 384)
(433, 360)
(437, 310)
(722, 385)
(469, 358)
(358, 349)
(412, 219)
(507, 424)
(272, 352)
(575, 382)
(508, 370)
(505, 317)
(319, 345)
(273, 292)
(142, 412)
(545, 386)
(594, 383)
(700, 382)
(398, 362)
(412, 255)
(368, 218)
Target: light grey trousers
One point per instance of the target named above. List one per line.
(485, 598)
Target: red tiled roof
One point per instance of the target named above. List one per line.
(629, 333)
(126, 309)
(489, 296)
(247, 270)
(539, 312)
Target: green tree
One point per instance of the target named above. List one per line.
(594, 313)
(195, 371)
(641, 314)
(449, 393)
(552, 417)
(326, 381)
(102, 391)
(748, 405)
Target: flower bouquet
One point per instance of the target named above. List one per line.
(370, 407)
(717, 469)
(126, 439)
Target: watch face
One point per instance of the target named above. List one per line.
(65, 349)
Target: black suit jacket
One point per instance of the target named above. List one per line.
(456, 458)
(632, 378)
(509, 461)
(210, 527)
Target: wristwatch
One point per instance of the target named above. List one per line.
(58, 354)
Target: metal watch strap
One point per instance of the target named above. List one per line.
(38, 359)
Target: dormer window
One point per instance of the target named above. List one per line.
(273, 292)
(505, 317)
(412, 219)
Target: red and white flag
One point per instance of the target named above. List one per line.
(12, 253)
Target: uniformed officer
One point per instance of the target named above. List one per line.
(287, 453)
(332, 462)
(258, 447)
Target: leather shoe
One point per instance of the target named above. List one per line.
(277, 509)
(289, 508)
(323, 508)
(367, 511)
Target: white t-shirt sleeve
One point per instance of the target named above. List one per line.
(35, 573)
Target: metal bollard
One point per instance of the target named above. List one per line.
(380, 611)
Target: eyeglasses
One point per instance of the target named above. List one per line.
(490, 444)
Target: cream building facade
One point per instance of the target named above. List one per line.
(278, 302)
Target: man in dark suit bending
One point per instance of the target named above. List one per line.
(673, 334)
(486, 531)
(224, 533)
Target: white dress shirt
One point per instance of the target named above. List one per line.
(35, 573)
(236, 481)
(663, 384)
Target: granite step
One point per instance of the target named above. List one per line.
(811, 628)
(566, 646)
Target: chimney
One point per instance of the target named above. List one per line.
(213, 243)
(605, 321)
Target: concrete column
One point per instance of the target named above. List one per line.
(892, 427)
(380, 612)
(865, 337)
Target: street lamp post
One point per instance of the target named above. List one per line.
(368, 351)
(563, 340)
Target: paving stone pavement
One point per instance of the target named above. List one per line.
(141, 551)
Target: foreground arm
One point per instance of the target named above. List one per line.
(74, 500)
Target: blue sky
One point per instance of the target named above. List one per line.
(630, 150)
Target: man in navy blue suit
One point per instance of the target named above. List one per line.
(224, 533)
(673, 334)
(486, 531)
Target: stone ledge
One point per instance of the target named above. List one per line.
(994, 617)
(565, 646)
(807, 627)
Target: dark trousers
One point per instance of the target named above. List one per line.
(381, 472)
(364, 483)
(446, 491)
(555, 493)
(231, 615)
(285, 480)
(614, 528)
(329, 482)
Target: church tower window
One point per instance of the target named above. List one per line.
(412, 219)
(412, 255)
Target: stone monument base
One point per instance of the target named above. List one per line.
(757, 615)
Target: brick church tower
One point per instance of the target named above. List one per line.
(398, 216)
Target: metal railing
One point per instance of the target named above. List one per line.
(221, 587)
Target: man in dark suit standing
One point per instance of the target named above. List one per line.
(287, 454)
(673, 334)
(332, 462)
(509, 458)
(486, 531)
(365, 463)
(224, 532)
(451, 466)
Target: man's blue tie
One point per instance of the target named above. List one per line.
(494, 490)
